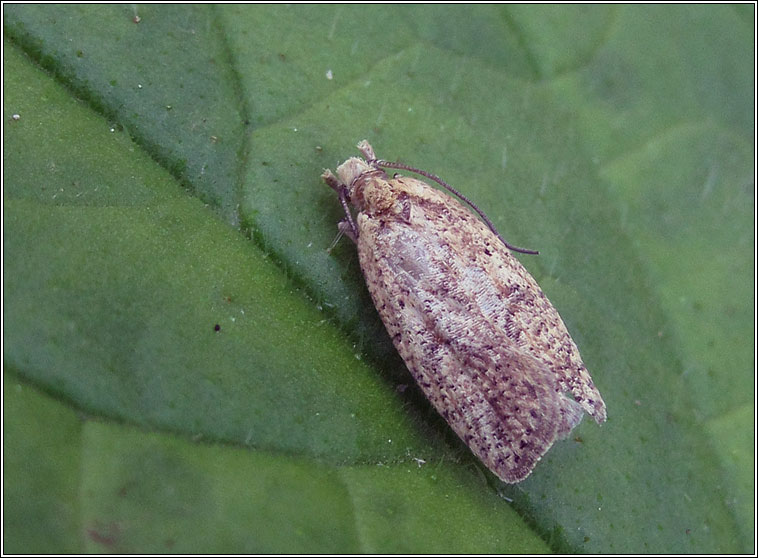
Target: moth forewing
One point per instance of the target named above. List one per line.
(474, 328)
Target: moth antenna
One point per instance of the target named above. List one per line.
(438, 180)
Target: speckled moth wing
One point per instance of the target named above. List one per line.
(507, 295)
(443, 309)
(477, 333)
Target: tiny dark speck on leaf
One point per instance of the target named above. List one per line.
(104, 534)
(217, 327)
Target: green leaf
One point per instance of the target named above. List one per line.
(189, 370)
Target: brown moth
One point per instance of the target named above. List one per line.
(477, 333)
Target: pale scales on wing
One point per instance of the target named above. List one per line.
(474, 328)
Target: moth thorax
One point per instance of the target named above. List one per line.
(374, 194)
(366, 184)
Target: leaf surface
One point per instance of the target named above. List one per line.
(188, 369)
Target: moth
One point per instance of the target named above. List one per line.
(477, 333)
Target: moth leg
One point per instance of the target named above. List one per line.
(344, 229)
(347, 226)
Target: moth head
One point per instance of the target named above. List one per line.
(351, 169)
(356, 173)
